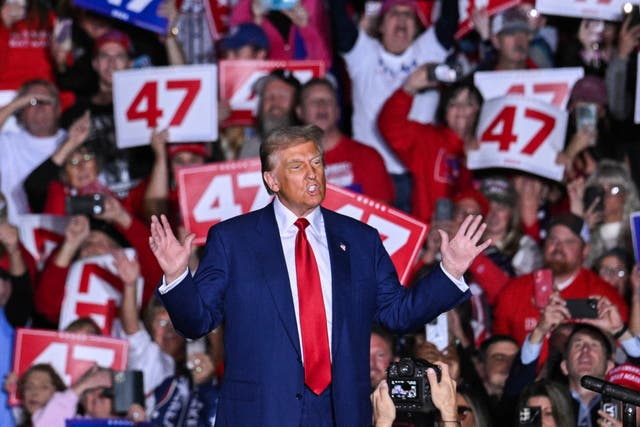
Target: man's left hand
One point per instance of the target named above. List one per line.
(458, 253)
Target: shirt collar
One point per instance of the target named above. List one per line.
(285, 218)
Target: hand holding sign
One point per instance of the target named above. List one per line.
(182, 98)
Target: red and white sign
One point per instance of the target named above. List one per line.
(69, 354)
(551, 85)
(237, 80)
(521, 133)
(219, 191)
(466, 8)
(181, 98)
(94, 289)
(41, 234)
(610, 10)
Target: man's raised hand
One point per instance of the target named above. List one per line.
(459, 252)
(172, 255)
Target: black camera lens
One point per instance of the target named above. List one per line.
(405, 369)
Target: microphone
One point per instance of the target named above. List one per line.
(615, 391)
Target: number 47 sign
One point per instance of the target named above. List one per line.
(182, 98)
(518, 132)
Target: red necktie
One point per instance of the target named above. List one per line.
(313, 321)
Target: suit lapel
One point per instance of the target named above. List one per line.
(274, 269)
(340, 276)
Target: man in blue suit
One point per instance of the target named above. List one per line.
(248, 278)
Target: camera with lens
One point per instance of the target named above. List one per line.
(409, 386)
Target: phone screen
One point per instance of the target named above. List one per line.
(586, 115)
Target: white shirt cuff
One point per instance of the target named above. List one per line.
(631, 346)
(529, 351)
(460, 283)
(164, 287)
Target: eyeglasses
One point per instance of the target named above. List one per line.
(75, 161)
(612, 272)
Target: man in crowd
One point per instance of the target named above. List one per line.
(348, 163)
(510, 36)
(380, 354)
(277, 94)
(564, 253)
(37, 106)
(298, 287)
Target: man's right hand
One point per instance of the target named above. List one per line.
(172, 255)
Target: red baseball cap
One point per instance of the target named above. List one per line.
(626, 375)
(197, 148)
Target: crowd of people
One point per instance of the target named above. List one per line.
(392, 131)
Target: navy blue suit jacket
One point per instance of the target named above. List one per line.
(242, 282)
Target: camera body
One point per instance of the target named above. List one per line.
(443, 73)
(89, 204)
(409, 386)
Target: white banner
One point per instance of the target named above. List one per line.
(552, 85)
(40, 234)
(610, 10)
(521, 133)
(182, 98)
(94, 289)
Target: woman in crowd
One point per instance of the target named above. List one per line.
(611, 228)
(553, 400)
(433, 153)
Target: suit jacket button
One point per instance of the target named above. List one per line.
(298, 396)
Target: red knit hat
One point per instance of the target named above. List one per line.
(197, 148)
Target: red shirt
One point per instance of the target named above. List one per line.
(433, 154)
(360, 168)
(24, 53)
(516, 315)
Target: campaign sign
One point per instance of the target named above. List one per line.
(610, 10)
(212, 193)
(181, 98)
(634, 219)
(238, 78)
(466, 8)
(518, 132)
(402, 235)
(71, 355)
(41, 234)
(552, 85)
(141, 13)
(93, 289)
